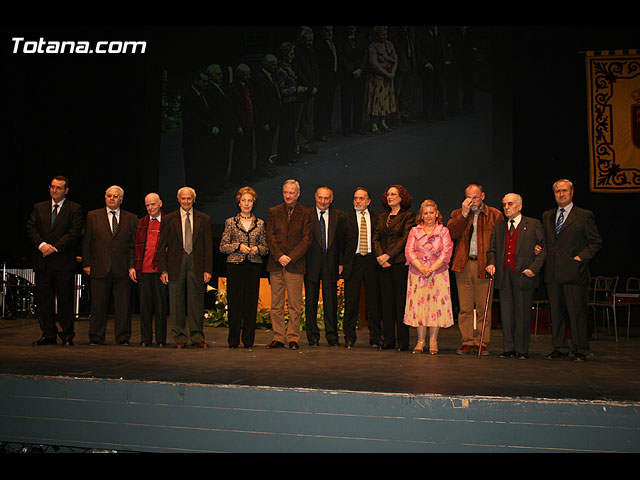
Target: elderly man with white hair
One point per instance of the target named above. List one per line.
(512, 260)
(107, 253)
(185, 260)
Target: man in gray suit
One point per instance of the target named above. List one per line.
(572, 240)
(512, 259)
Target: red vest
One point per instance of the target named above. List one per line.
(510, 250)
(149, 265)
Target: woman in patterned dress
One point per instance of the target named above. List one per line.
(383, 62)
(428, 252)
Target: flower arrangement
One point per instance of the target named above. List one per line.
(218, 315)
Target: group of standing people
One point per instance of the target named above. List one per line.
(403, 260)
(286, 103)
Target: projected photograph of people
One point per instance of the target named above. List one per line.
(336, 106)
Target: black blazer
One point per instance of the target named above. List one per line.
(333, 253)
(351, 239)
(391, 239)
(578, 236)
(266, 100)
(104, 252)
(529, 235)
(64, 234)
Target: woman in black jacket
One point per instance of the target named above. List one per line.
(389, 239)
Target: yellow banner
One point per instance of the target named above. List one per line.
(613, 85)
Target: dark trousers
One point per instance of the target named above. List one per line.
(264, 147)
(102, 291)
(287, 133)
(243, 287)
(329, 280)
(393, 296)
(351, 105)
(154, 300)
(186, 299)
(242, 156)
(323, 108)
(365, 269)
(568, 308)
(515, 314)
(52, 285)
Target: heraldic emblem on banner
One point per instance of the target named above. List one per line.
(613, 84)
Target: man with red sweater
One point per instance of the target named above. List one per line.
(154, 296)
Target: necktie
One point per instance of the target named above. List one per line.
(364, 239)
(54, 213)
(114, 222)
(511, 228)
(323, 231)
(560, 221)
(188, 241)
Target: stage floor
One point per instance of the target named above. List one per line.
(610, 372)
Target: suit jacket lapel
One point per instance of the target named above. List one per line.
(333, 222)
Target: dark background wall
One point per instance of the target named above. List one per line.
(96, 120)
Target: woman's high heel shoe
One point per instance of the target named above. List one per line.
(433, 349)
(419, 348)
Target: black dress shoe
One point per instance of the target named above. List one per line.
(403, 348)
(522, 356)
(162, 344)
(293, 345)
(579, 357)
(144, 344)
(275, 344)
(349, 344)
(314, 343)
(556, 354)
(377, 344)
(507, 355)
(386, 346)
(124, 343)
(334, 344)
(44, 341)
(67, 342)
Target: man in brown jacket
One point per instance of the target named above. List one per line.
(288, 238)
(470, 227)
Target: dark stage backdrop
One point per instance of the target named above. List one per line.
(97, 120)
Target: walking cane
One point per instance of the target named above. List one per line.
(486, 310)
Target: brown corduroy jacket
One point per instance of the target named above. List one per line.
(459, 228)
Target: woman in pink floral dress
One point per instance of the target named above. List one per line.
(428, 252)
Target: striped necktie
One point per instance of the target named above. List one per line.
(323, 231)
(364, 239)
(560, 221)
(114, 222)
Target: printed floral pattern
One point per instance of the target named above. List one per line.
(428, 303)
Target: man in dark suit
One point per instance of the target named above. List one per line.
(244, 110)
(288, 238)
(107, 253)
(225, 128)
(54, 229)
(360, 265)
(572, 239)
(323, 266)
(512, 259)
(185, 260)
(268, 103)
(327, 60)
(153, 294)
(197, 132)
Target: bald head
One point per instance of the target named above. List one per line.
(153, 204)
